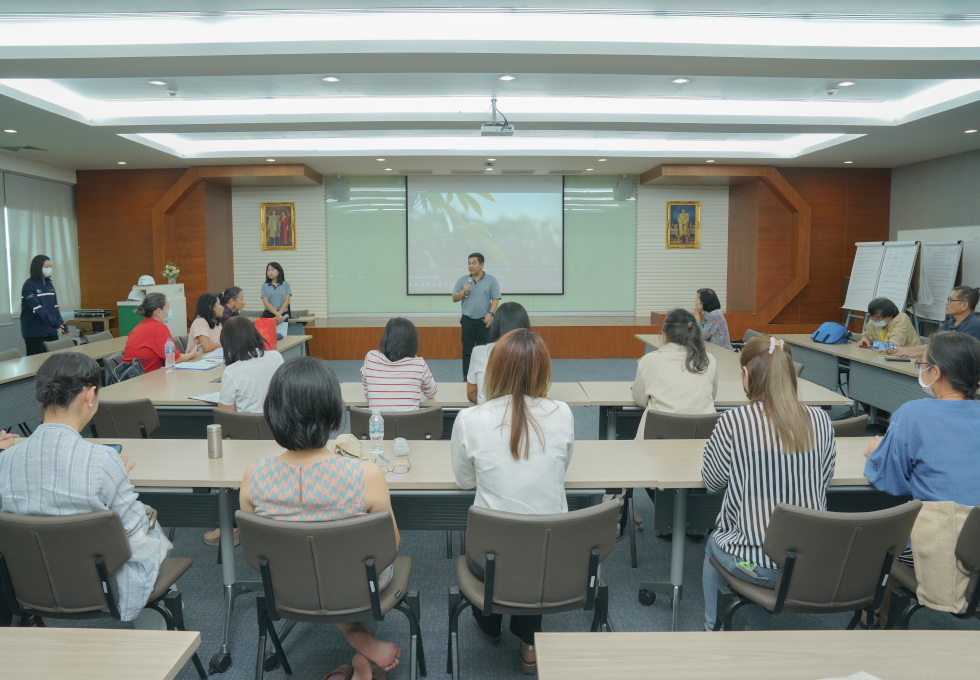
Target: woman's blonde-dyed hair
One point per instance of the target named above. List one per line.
(772, 380)
(519, 366)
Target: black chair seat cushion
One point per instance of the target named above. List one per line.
(472, 588)
(171, 569)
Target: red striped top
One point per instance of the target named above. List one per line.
(398, 385)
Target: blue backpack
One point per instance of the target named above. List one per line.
(831, 333)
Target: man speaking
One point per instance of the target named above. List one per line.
(480, 294)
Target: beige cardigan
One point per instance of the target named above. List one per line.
(664, 384)
(899, 330)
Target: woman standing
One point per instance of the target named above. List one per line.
(40, 318)
(275, 293)
(714, 328)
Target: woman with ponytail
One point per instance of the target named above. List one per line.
(775, 450)
(680, 377)
(514, 450)
(55, 472)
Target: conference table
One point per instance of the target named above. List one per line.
(453, 395)
(427, 496)
(95, 653)
(872, 379)
(17, 379)
(741, 655)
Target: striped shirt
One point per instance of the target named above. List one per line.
(55, 472)
(396, 385)
(745, 455)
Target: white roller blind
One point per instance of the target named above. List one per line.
(40, 219)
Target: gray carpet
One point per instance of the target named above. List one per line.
(314, 650)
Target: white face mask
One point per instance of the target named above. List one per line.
(47, 271)
(927, 388)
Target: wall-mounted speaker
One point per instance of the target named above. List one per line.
(625, 190)
(339, 188)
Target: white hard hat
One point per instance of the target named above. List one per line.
(146, 280)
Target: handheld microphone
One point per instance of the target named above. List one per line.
(469, 281)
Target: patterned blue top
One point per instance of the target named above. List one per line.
(930, 452)
(714, 328)
(55, 472)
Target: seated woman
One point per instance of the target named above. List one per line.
(680, 377)
(514, 450)
(394, 379)
(233, 301)
(55, 472)
(249, 367)
(775, 450)
(303, 407)
(148, 339)
(929, 451)
(206, 327)
(887, 324)
(714, 327)
(509, 316)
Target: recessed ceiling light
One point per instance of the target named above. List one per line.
(709, 161)
(602, 160)
(379, 159)
(158, 82)
(120, 162)
(588, 169)
(387, 169)
(846, 83)
(848, 162)
(491, 159)
(332, 79)
(969, 132)
(680, 81)
(507, 78)
(10, 131)
(488, 169)
(270, 160)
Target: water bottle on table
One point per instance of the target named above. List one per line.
(376, 428)
(170, 352)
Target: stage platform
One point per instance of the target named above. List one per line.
(568, 337)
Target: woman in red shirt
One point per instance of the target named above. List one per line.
(146, 342)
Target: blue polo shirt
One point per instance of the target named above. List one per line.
(476, 304)
(970, 325)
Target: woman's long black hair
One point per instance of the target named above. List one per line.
(277, 266)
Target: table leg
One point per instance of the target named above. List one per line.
(675, 587)
(611, 423)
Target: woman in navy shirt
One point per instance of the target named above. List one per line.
(40, 318)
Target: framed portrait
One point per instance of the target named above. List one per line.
(684, 224)
(278, 226)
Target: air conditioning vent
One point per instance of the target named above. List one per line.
(467, 172)
(26, 147)
(414, 172)
(517, 172)
(564, 172)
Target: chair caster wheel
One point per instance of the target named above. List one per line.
(647, 597)
(219, 663)
(271, 662)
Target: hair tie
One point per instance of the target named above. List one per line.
(773, 343)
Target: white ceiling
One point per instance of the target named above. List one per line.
(414, 84)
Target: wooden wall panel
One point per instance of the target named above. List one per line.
(217, 220)
(115, 234)
(743, 232)
(774, 246)
(186, 245)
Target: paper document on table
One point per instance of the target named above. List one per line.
(201, 365)
(216, 355)
(210, 396)
(860, 675)
(282, 328)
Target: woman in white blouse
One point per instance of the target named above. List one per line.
(509, 316)
(514, 449)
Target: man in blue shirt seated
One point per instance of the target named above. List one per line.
(961, 307)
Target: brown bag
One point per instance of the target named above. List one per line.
(941, 578)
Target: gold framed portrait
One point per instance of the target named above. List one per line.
(684, 224)
(278, 226)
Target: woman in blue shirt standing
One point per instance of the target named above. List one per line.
(275, 293)
(40, 318)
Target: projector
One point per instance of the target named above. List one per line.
(496, 130)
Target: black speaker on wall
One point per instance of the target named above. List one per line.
(339, 188)
(625, 189)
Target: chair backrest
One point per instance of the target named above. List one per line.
(180, 343)
(251, 313)
(799, 368)
(126, 419)
(968, 543)
(63, 343)
(99, 337)
(240, 425)
(424, 423)
(679, 426)
(541, 560)
(839, 555)
(51, 560)
(10, 354)
(749, 334)
(318, 568)
(850, 427)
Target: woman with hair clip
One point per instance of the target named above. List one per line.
(509, 316)
(206, 327)
(55, 472)
(680, 377)
(40, 317)
(394, 379)
(233, 301)
(775, 450)
(147, 340)
(514, 450)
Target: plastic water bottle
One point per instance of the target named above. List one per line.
(376, 427)
(170, 352)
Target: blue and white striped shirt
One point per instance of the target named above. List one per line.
(55, 472)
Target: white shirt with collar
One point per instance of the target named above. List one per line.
(478, 369)
(482, 459)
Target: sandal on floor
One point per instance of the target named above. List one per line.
(529, 667)
(214, 537)
(484, 633)
(344, 672)
(877, 622)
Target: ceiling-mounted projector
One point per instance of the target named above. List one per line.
(495, 129)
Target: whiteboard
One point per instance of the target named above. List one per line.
(970, 235)
(896, 272)
(937, 276)
(864, 275)
(971, 264)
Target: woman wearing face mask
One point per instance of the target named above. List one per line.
(147, 341)
(887, 324)
(40, 318)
